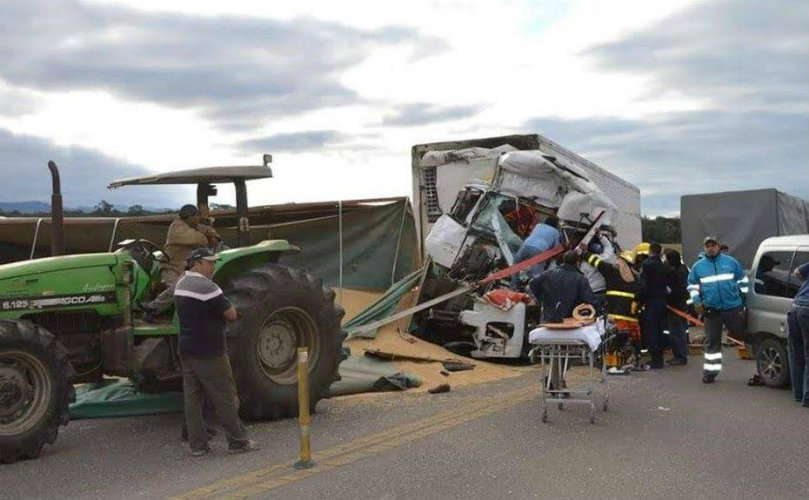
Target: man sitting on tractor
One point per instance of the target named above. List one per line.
(185, 234)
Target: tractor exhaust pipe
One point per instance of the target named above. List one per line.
(57, 214)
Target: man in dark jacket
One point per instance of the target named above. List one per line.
(653, 275)
(562, 288)
(203, 310)
(798, 322)
(676, 286)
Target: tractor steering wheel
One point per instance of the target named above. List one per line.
(142, 251)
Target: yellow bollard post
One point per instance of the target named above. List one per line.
(304, 418)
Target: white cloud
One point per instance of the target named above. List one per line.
(505, 62)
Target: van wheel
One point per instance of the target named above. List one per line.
(772, 364)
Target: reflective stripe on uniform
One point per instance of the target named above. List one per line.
(711, 368)
(594, 260)
(744, 289)
(625, 318)
(616, 293)
(692, 287)
(717, 277)
(713, 356)
(744, 280)
(689, 301)
(694, 294)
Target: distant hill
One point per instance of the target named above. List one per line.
(25, 207)
(39, 207)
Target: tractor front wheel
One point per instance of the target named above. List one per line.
(280, 309)
(36, 387)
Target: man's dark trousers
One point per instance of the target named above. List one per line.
(211, 378)
(733, 319)
(677, 340)
(654, 322)
(798, 323)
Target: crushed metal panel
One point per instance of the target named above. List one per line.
(426, 182)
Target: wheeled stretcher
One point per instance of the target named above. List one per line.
(555, 350)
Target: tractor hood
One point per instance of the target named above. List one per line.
(50, 264)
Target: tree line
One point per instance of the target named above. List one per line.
(661, 229)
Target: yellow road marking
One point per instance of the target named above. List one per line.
(275, 476)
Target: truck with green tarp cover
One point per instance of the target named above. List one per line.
(70, 319)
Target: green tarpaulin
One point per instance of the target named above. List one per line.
(378, 245)
(384, 306)
(118, 398)
(364, 374)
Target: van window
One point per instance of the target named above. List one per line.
(772, 274)
(801, 258)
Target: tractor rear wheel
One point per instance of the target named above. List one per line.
(280, 309)
(36, 387)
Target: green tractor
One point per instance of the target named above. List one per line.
(69, 319)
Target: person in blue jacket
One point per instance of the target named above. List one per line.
(544, 236)
(716, 284)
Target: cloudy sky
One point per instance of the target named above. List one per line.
(677, 96)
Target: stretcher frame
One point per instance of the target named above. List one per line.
(557, 355)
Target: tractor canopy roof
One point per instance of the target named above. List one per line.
(207, 175)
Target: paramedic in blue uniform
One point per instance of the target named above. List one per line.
(716, 284)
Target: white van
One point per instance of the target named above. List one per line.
(769, 300)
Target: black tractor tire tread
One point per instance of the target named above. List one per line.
(21, 333)
(248, 292)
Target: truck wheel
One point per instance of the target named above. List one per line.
(280, 309)
(772, 364)
(36, 387)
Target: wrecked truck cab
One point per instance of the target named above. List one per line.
(482, 231)
(480, 217)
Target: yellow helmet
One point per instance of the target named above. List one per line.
(628, 255)
(642, 249)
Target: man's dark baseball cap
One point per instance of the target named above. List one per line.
(709, 239)
(201, 253)
(188, 211)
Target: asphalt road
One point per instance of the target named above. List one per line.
(666, 435)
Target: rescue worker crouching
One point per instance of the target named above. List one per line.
(562, 288)
(622, 286)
